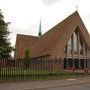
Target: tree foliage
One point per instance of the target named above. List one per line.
(26, 58)
(5, 45)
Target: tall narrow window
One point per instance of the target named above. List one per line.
(65, 49)
(69, 46)
(85, 50)
(75, 43)
(81, 46)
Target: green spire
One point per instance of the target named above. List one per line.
(40, 29)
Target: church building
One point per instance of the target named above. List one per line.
(69, 41)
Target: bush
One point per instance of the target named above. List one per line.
(27, 58)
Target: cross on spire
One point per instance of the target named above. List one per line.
(77, 5)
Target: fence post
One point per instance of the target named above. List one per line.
(42, 65)
(0, 73)
(53, 67)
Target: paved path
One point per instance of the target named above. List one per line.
(72, 87)
(44, 85)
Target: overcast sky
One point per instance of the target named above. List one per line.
(25, 15)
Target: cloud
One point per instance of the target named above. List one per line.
(49, 2)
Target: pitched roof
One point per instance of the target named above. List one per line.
(23, 42)
(54, 41)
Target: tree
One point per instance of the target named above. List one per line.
(27, 58)
(5, 45)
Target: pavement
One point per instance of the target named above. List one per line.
(43, 85)
(72, 87)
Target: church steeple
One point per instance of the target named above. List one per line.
(40, 29)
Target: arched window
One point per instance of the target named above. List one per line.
(75, 44)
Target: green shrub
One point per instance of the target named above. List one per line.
(26, 58)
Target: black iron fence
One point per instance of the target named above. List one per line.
(36, 69)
